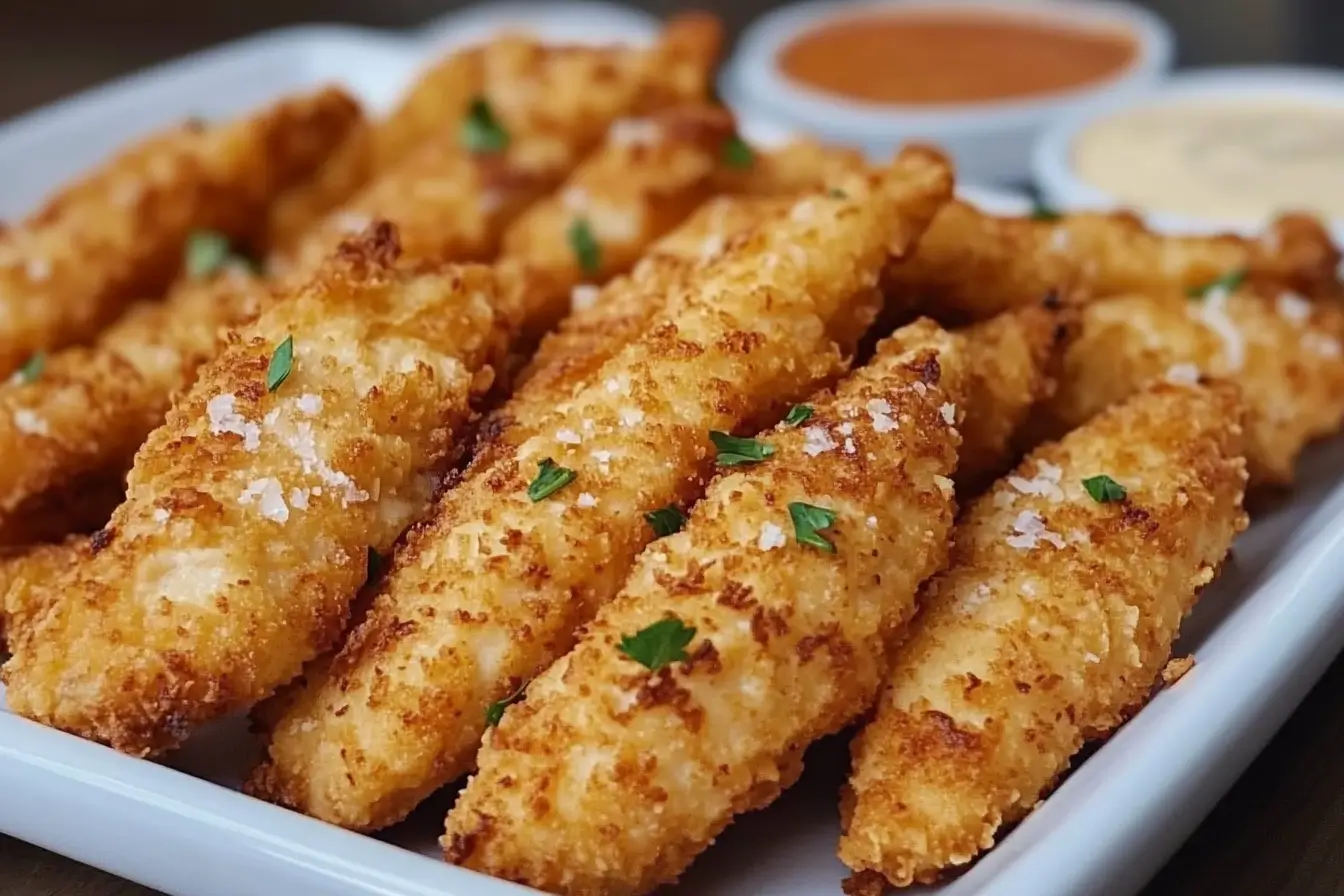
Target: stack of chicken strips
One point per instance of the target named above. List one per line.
(547, 434)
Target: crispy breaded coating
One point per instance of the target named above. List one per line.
(490, 591)
(1049, 628)
(649, 174)
(553, 104)
(74, 428)
(1285, 353)
(1015, 359)
(971, 265)
(437, 99)
(250, 511)
(117, 236)
(610, 777)
(344, 172)
(22, 574)
(799, 165)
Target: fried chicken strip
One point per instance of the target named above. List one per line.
(613, 774)
(77, 421)
(1284, 352)
(971, 265)
(490, 591)
(249, 512)
(548, 108)
(73, 266)
(1015, 359)
(1049, 628)
(23, 573)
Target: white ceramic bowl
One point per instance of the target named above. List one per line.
(990, 142)
(1062, 187)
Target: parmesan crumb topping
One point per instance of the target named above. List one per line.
(224, 419)
(879, 411)
(772, 536)
(583, 296)
(267, 495)
(27, 421)
(816, 440)
(1030, 530)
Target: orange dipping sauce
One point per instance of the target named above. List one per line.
(928, 57)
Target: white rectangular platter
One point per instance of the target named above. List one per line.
(1261, 635)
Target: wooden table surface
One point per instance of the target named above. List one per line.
(1279, 831)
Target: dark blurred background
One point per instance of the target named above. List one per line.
(50, 48)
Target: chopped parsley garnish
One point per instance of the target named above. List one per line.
(737, 153)
(1229, 282)
(808, 521)
(282, 363)
(734, 452)
(586, 247)
(481, 132)
(665, 521)
(32, 368)
(495, 711)
(551, 477)
(657, 645)
(1104, 489)
(798, 415)
(206, 253)
(375, 568)
(1042, 212)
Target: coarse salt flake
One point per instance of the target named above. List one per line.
(269, 498)
(945, 485)
(1182, 375)
(772, 536)
(568, 437)
(38, 269)
(949, 412)
(879, 411)
(849, 447)
(160, 515)
(1029, 530)
(27, 421)
(224, 419)
(307, 403)
(1292, 307)
(1212, 312)
(603, 459)
(635, 132)
(631, 416)
(845, 429)
(872, 522)
(586, 500)
(1321, 344)
(583, 296)
(816, 440)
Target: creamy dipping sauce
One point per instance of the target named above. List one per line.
(930, 57)
(1230, 160)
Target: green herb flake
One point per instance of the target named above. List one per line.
(1229, 282)
(659, 644)
(798, 415)
(735, 452)
(665, 521)
(282, 364)
(375, 566)
(206, 254)
(737, 153)
(551, 477)
(808, 521)
(1042, 212)
(495, 711)
(586, 248)
(32, 369)
(836, 193)
(481, 132)
(1104, 489)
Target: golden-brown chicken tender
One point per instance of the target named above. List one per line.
(798, 165)
(613, 774)
(538, 112)
(22, 574)
(303, 206)
(649, 174)
(314, 436)
(1051, 624)
(117, 236)
(520, 553)
(1015, 359)
(971, 265)
(1285, 353)
(74, 423)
